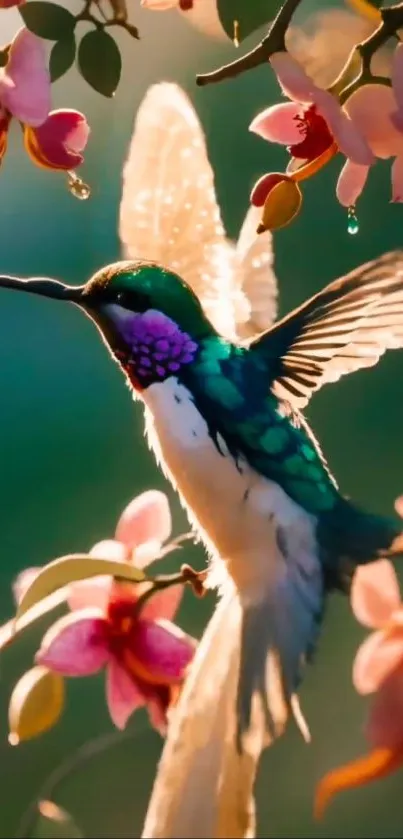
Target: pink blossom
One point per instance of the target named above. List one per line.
(378, 669)
(25, 80)
(53, 139)
(144, 654)
(59, 141)
(202, 14)
(313, 122)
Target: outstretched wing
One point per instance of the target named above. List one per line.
(169, 213)
(255, 276)
(344, 328)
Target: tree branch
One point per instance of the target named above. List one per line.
(273, 42)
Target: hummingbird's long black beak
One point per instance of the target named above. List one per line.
(45, 287)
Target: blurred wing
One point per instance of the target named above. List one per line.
(346, 327)
(169, 212)
(255, 277)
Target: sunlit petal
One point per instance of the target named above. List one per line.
(76, 645)
(375, 593)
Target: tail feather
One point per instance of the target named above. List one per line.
(349, 537)
(204, 787)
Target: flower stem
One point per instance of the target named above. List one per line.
(186, 576)
(273, 42)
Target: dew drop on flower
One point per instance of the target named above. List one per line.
(352, 222)
(77, 187)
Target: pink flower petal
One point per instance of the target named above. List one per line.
(59, 141)
(146, 518)
(376, 658)
(157, 712)
(385, 723)
(351, 182)
(93, 593)
(123, 693)
(159, 5)
(292, 78)
(397, 76)
(279, 124)
(384, 139)
(76, 645)
(163, 604)
(375, 593)
(349, 139)
(397, 179)
(25, 80)
(110, 549)
(163, 650)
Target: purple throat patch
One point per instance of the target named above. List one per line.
(158, 348)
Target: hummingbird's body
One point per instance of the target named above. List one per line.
(191, 325)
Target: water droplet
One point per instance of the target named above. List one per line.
(352, 222)
(77, 187)
(13, 739)
(236, 33)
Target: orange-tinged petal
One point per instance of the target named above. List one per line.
(377, 764)
(312, 166)
(282, 205)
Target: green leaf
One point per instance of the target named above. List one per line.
(47, 20)
(53, 822)
(241, 17)
(62, 56)
(100, 62)
(61, 572)
(36, 704)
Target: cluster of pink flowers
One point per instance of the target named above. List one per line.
(53, 139)
(113, 627)
(315, 127)
(378, 670)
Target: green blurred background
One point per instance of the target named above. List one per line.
(72, 453)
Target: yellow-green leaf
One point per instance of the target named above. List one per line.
(36, 704)
(9, 631)
(68, 569)
(53, 822)
(281, 206)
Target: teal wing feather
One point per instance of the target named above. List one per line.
(229, 386)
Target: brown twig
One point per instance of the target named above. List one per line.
(118, 19)
(273, 42)
(391, 22)
(186, 576)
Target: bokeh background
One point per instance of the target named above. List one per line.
(72, 452)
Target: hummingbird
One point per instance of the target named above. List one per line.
(223, 416)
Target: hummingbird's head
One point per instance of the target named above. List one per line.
(149, 317)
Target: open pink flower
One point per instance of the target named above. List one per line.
(378, 668)
(25, 80)
(144, 654)
(59, 141)
(53, 139)
(377, 111)
(313, 122)
(313, 126)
